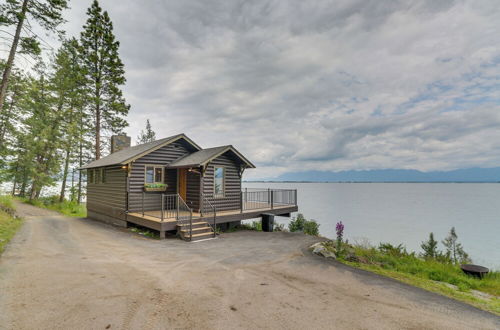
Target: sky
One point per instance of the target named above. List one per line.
(316, 85)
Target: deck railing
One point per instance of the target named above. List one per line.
(254, 198)
(168, 206)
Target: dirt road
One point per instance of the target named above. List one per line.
(62, 273)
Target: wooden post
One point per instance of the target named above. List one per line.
(241, 201)
(178, 200)
(162, 206)
(295, 197)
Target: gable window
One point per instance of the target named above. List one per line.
(219, 174)
(154, 174)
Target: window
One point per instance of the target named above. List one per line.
(154, 174)
(102, 175)
(219, 173)
(90, 176)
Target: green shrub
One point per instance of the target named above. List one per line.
(311, 227)
(7, 204)
(297, 223)
(300, 223)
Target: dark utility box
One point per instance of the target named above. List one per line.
(267, 222)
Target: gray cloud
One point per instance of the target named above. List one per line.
(304, 85)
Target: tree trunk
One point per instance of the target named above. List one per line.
(97, 132)
(80, 163)
(12, 53)
(65, 173)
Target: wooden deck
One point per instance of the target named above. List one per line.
(152, 219)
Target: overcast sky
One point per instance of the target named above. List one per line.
(305, 85)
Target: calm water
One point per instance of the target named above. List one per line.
(405, 213)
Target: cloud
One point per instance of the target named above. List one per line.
(326, 85)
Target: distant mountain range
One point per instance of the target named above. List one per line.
(395, 175)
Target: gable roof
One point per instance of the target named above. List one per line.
(129, 154)
(204, 156)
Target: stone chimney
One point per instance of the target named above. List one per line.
(119, 142)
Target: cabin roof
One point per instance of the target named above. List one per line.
(204, 156)
(129, 154)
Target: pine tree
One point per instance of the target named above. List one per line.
(454, 250)
(104, 74)
(15, 13)
(68, 86)
(430, 247)
(146, 136)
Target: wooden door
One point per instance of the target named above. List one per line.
(182, 172)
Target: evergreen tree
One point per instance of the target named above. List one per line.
(68, 86)
(430, 247)
(104, 74)
(146, 136)
(454, 250)
(15, 13)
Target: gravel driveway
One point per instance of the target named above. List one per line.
(63, 273)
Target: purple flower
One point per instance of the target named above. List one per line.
(340, 230)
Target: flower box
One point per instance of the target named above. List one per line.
(155, 187)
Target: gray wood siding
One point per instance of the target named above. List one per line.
(232, 183)
(193, 191)
(162, 156)
(111, 195)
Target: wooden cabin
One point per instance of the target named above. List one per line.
(174, 185)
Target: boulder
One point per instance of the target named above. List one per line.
(321, 250)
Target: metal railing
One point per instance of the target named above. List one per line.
(253, 199)
(208, 210)
(184, 215)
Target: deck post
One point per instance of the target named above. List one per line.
(162, 206)
(272, 199)
(190, 224)
(178, 201)
(143, 193)
(241, 201)
(295, 197)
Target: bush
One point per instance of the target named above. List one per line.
(299, 223)
(311, 227)
(7, 204)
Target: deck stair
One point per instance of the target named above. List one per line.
(199, 229)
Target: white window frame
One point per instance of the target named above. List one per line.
(223, 194)
(154, 173)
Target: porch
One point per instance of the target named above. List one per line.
(166, 212)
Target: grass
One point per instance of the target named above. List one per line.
(145, 232)
(428, 274)
(69, 208)
(9, 223)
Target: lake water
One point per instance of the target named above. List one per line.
(405, 213)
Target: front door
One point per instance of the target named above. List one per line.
(182, 175)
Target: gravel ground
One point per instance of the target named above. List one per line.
(63, 273)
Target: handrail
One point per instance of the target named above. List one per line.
(184, 215)
(209, 205)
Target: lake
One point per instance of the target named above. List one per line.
(405, 213)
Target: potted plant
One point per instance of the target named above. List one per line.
(155, 187)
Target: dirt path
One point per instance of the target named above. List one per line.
(62, 273)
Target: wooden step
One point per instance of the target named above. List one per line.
(197, 230)
(194, 225)
(202, 236)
